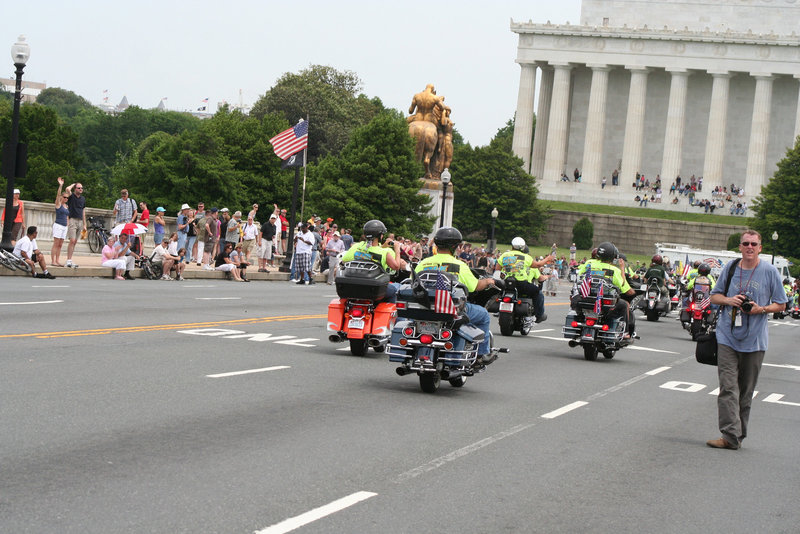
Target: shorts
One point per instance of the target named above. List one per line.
(247, 245)
(266, 250)
(210, 241)
(284, 234)
(227, 267)
(302, 262)
(59, 231)
(74, 228)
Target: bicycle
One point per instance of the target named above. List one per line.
(97, 234)
(12, 262)
(150, 269)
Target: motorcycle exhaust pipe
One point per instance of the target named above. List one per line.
(449, 375)
(572, 343)
(402, 371)
(335, 338)
(375, 342)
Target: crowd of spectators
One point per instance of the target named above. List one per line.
(722, 197)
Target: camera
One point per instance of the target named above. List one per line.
(747, 304)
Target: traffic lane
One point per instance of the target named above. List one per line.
(632, 460)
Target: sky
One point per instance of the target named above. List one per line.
(186, 51)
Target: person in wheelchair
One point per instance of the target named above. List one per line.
(447, 240)
(604, 268)
(522, 268)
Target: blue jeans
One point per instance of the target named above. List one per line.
(190, 241)
(480, 318)
(157, 237)
(181, 240)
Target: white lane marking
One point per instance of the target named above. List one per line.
(50, 286)
(784, 366)
(776, 398)
(249, 371)
(633, 347)
(32, 302)
(564, 409)
(296, 522)
(195, 286)
(344, 348)
(657, 370)
(779, 323)
(218, 298)
(552, 338)
(451, 456)
(542, 330)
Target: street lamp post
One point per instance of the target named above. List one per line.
(14, 154)
(774, 242)
(492, 244)
(445, 183)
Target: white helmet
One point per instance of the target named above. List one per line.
(518, 243)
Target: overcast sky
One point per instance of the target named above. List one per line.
(191, 50)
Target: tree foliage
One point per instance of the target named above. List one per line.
(777, 208)
(489, 177)
(583, 233)
(332, 101)
(374, 177)
(65, 103)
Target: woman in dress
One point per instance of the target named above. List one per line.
(60, 225)
(18, 214)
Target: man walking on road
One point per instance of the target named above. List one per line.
(754, 292)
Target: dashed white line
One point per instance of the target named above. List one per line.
(218, 298)
(31, 302)
(250, 371)
(296, 522)
(564, 409)
(784, 366)
(51, 286)
(657, 370)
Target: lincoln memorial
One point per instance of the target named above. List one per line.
(659, 87)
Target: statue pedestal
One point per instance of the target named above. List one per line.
(435, 189)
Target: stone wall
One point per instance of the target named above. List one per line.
(637, 236)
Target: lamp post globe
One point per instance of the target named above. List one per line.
(492, 244)
(774, 242)
(12, 160)
(445, 182)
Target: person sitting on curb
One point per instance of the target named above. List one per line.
(124, 245)
(111, 258)
(238, 258)
(223, 262)
(164, 259)
(27, 249)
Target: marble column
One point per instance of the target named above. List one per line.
(634, 126)
(558, 125)
(759, 136)
(595, 126)
(797, 119)
(542, 121)
(717, 126)
(523, 120)
(676, 121)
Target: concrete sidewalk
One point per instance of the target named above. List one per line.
(89, 266)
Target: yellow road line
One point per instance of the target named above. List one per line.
(153, 328)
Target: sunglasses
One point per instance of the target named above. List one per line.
(749, 244)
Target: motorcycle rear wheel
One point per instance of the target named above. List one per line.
(379, 348)
(506, 324)
(458, 382)
(525, 329)
(695, 328)
(358, 347)
(429, 382)
(608, 354)
(590, 352)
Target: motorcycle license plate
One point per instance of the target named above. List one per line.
(427, 327)
(506, 306)
(356, 323)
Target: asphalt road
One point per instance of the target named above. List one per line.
(173, 407)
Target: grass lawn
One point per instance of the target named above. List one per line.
(648, 213)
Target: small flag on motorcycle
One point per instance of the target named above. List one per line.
(586, 286)
(686, 267)
(705, 303)
(598, 304)
(444, 302)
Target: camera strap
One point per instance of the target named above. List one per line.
(730, 268)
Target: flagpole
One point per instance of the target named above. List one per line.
(287, 259)
(303, 202)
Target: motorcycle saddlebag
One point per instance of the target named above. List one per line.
(493, 305)
(523, 308)
(363, 281)
(473, 334)
(335, 315)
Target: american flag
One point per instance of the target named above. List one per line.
(444, 302)
(705, 303)
(291, 141)
(598, 304)
(586, 287)
(686, 267)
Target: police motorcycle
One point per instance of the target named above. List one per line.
(359, 315)
(514, 312)
(698, 315)
(589, 323)
(433, 339)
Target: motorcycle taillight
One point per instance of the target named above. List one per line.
(605, 328)
(506, 299)
(445, 334)
(357, 312)
(408, 331)
(590, 322)
(608, 302)
(574, 324)
(426, 339)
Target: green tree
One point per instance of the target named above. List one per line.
(777, 208)
(583, 233)
(374, 177)
(489, 177)
(332, 101)
(65, 103)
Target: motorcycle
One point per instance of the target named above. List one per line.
(655, 302)
(358, 315)
(674, 296)
(589, 324)
(433, 344)
(514, 313)
(698, 316)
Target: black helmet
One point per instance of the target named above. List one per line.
(373, 229)
(704, 269)
(447, 237)
(622, 256)
(696, 264)
(786, 281)
(606, 251)
(657, 260)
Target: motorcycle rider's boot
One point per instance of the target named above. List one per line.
(541, 318)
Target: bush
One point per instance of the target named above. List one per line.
(733, 241)
(583, 233)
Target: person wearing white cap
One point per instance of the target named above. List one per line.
(18, 211)
(334, 249)
(183, 222)
(125, 209)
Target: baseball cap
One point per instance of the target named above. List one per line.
(160, 209)
(273, 216)
(224, 210)
(337, 234)
(214, 210)
(16, 191)
(186, 207)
